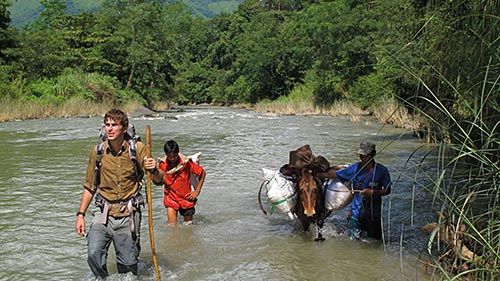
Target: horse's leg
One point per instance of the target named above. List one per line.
(305, 223)
(319, 228)
(306, 226)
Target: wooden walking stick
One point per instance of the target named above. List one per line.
(150, 205)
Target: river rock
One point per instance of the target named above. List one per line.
(143, 111)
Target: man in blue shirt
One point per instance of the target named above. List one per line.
(370, 181)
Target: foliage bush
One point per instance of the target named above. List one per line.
(124, 96)
(327, 88)
(300, 93)
(370, 90)
(42, 90)
(239, 91)
(71, 83)
(7, 87)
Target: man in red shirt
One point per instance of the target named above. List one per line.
(178, 195)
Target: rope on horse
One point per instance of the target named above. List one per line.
(260, 195)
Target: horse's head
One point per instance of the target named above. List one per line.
(308, 187)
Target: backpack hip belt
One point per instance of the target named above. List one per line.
(135, 201)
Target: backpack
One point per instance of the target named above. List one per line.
(131, 139)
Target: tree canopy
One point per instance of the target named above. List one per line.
(357, 50)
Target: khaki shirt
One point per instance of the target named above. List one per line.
(118, 177)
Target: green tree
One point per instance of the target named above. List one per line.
(392, 31)
(6, 42)
(459, 51)
(85, 43)
(264, 62)
(194, 73)
(43, 49)
(332, 29)
(221, 55)
(5, 36)
(53, 15)
(146, 44)
(260, 57)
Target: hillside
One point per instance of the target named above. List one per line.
(23, 12)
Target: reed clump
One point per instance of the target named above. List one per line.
(301, 101)
(390, 111)
(464, 241)
(16, 110)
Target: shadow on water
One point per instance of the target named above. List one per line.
(231, 239)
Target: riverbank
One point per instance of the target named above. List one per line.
(389, 112)
(17, 110)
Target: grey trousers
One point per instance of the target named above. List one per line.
(126, 243)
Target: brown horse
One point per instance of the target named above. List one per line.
(310, 208)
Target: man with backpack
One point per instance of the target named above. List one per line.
(114, 174)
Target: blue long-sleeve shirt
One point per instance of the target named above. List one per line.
(378, 178)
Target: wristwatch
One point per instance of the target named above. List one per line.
(80, 213)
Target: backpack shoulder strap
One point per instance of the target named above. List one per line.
(132, 151)
(99, 148)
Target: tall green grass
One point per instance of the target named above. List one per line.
(301, 101)
(15, 110)
(73, 93)
(464, 243)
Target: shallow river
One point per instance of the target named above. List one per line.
(42, 172)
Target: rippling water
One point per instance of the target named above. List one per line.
(43, 169)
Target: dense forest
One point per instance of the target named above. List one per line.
(362, 51)
(439, 59)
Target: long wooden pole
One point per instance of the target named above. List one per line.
(150, 205)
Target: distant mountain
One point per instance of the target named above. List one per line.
(23, 12)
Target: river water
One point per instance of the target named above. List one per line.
(42, 172)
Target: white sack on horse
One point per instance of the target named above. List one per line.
(337, 195)
(281, 192)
